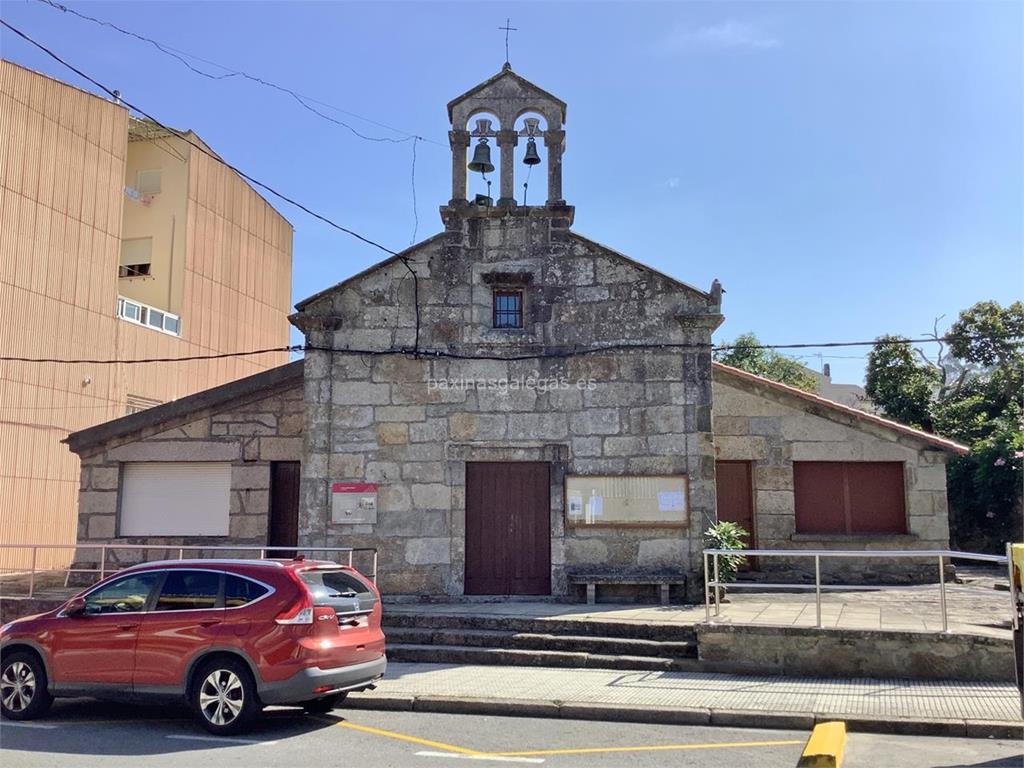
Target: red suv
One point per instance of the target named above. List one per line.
(227, 635)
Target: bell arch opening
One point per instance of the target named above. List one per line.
(481, 156)
(531, 158)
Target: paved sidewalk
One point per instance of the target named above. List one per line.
(976, 610)
(697, 693)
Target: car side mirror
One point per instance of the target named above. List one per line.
(75, 607)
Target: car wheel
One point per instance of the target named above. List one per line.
(224, 696)
(324, 704)
(24, 693)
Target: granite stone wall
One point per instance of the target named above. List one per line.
(772, 429)
(411, 423)
(249, 433)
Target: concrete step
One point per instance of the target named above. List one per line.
(480, 638)
(464, 654)
(662, 632)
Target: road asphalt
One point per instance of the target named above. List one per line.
(87, 734)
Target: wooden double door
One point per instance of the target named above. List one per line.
(508, 528)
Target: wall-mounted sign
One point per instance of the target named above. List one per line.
(354, 503)
(661, 500)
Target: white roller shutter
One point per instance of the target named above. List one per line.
(181, 498)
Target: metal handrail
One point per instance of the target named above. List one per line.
(181, 549)
(817, 554)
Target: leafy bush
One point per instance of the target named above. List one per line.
(724, 535)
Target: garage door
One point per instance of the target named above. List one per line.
(180, 498)
(849, 497)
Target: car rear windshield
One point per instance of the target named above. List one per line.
(339, 589)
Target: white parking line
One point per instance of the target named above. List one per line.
(9, 724)
(219, 739)
(494, 758)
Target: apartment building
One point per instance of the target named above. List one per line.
(119, 240)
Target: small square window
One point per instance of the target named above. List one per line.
(149, 182)
(508, 309)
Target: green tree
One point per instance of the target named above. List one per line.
(969, 391)
(898, 383)
(746, 353)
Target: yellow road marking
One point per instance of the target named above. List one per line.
(650, 748)
(413, 739)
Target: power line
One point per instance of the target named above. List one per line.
(303, 100)
(547, 354)
(197, 145)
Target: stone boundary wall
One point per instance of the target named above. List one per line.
(854, 653)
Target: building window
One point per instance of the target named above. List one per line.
(175, 498)
(136, 257)
(849, 497)
(508, 309)
(138, 403)
(149, 182)
(139, 313)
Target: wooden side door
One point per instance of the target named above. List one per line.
(735, 489)
(508, 528)
(283, 530)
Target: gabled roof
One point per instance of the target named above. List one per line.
(263, 383)
(506, 72)
(300, 305)
(638, 264)
(839, 408)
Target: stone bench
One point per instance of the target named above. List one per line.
(662, 581)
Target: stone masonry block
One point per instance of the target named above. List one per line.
(281, 448)
(595, 421)
(393, 433)
(431, 496)
(665, 553)
(538, 426)
(774, 502)
(394, 498)
(773, 478)
(428, 551)
(101, 526)
(361, 393)
(97, 503)
(250, 476)
(731, 425)
(407, 413)
(105, 478)
(346, 466)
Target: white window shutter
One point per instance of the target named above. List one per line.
(175, 499)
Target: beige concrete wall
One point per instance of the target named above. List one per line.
(63, 166)
(250, 433)
(163, 220)
(62, 156)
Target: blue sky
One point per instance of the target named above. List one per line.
(845, 169)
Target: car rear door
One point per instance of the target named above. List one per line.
(186, 618)
(96, 648)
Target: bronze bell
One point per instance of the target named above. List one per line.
(481, 158)
(531, 157)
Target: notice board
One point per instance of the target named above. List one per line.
(625, 500)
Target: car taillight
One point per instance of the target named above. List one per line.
(301, 612)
